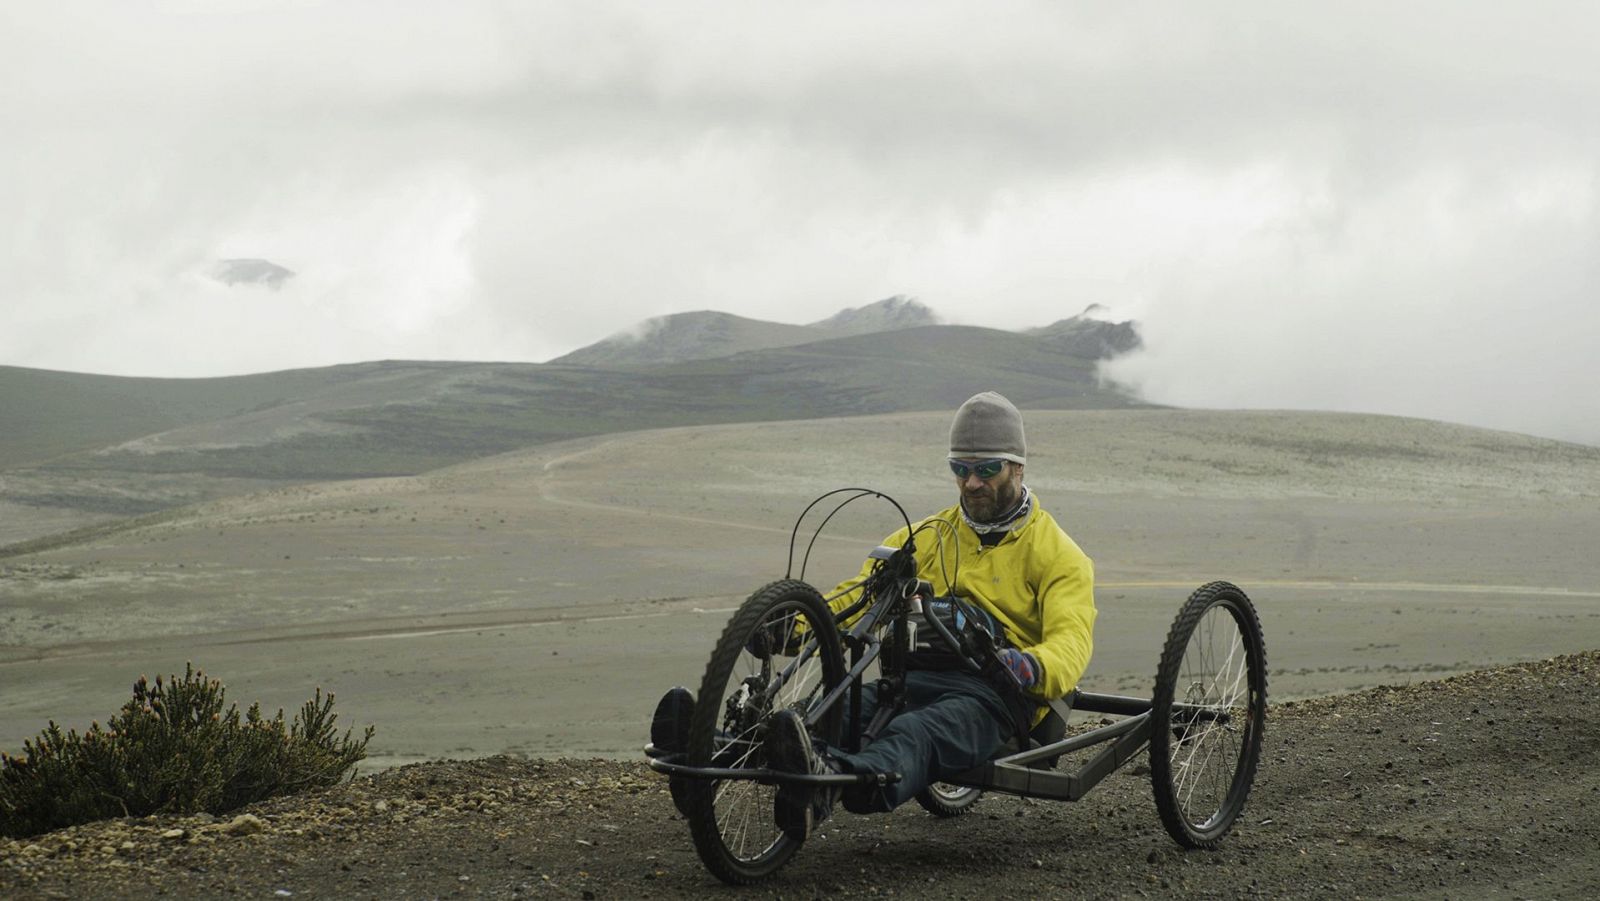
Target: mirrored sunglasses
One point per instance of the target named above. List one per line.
(985, 469)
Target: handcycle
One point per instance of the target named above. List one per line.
(784, 648)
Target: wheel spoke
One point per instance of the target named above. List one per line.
(1209, 713)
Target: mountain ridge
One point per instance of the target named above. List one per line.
(709, 334)
(897, 312)
(87, 447)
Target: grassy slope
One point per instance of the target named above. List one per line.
(472, 410)
(45, 414)
(401, 418)
(932, 368)
(707, 334)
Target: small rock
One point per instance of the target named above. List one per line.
(381, 806)
(172, 833)
(244, 824)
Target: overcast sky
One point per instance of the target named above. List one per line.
(1357, 206)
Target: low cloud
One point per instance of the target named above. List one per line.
(1387, 207)
(1467, 298)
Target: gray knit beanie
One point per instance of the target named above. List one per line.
(988, 425)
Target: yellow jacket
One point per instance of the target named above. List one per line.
(1036, 581)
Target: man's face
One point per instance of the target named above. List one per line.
(986, 499)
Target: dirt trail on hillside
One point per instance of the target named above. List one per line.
(1485, 785)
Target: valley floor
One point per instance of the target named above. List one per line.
(482, 608)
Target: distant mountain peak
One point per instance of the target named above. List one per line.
(708, 334)
(655, 325)
(700, 335)
(892, 313)
(250, 271)
(1093, 334)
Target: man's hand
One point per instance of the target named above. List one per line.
(1022, 665)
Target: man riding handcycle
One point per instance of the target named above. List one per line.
(980, 619)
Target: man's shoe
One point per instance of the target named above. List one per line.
(669, 733)
(669, 727)
(798, 808)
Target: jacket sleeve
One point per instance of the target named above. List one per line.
(1065, 579)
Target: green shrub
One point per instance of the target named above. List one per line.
(172, 749)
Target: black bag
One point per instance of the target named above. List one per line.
(965, 620)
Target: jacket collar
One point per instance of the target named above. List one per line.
(957, 516)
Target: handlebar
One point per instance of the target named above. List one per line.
(855, 495)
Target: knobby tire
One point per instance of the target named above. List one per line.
(1208, 714)
(732, 821)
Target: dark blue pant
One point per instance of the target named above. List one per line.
(952, 722)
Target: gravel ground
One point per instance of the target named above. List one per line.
(1485, 785)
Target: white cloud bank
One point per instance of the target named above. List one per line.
(1364, 207)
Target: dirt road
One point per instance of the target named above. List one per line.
(1485, 785)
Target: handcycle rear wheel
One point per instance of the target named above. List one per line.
(781, 650)
(945, 800)
(1207, 715)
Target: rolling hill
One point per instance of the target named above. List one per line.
(687, 336)
(93, 447)
(889, 314)
(707, 334)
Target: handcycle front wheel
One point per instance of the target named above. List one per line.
(781, 650)
(1207, 715)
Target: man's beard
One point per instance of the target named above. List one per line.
(990, 502)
